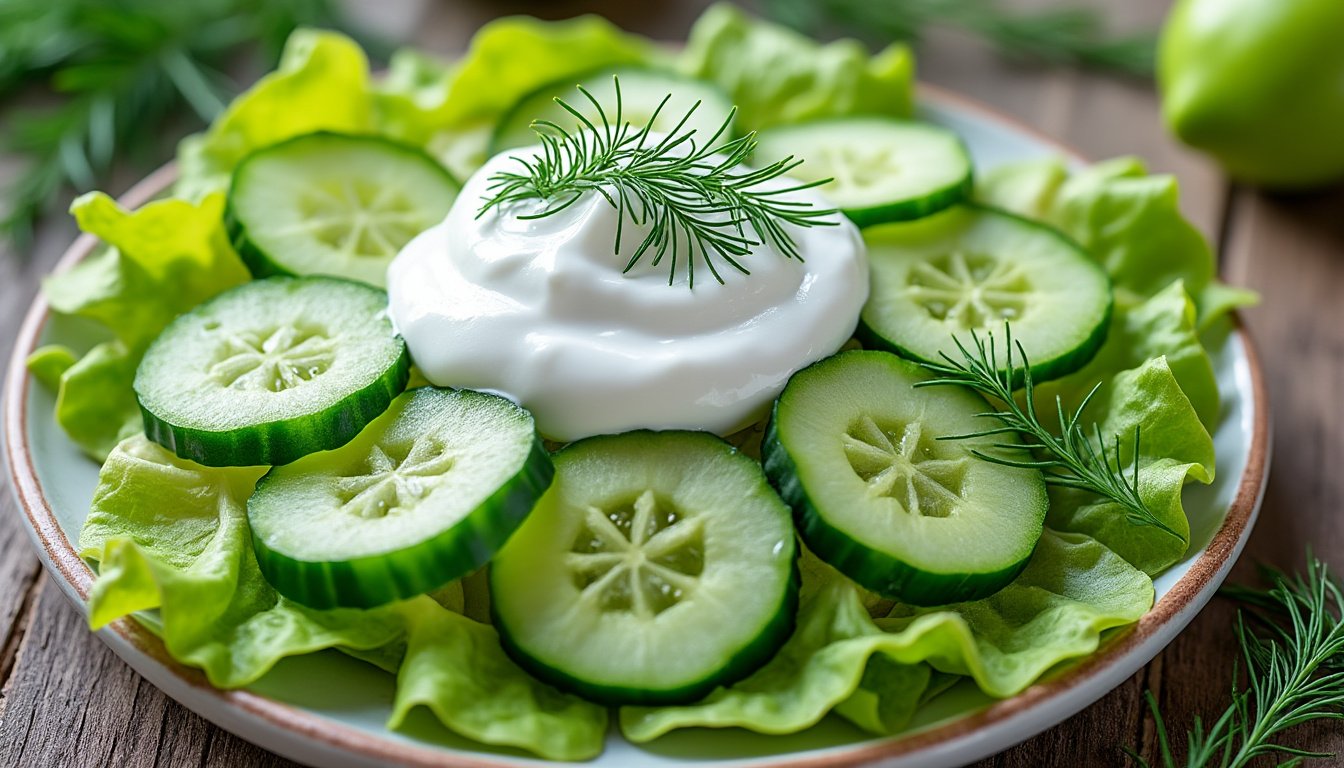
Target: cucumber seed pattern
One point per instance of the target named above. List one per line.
(395, 477)
(854, 167)
(971, 290)
(359, 218)
(275, 359)
(899, 463)
(642, 557)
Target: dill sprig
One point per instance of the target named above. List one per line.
(1058, 34)
(1294, 674)
(700, 194)
(1072, 458)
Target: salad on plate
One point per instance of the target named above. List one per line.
(582, 380)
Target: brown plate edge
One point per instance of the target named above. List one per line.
(63, 557)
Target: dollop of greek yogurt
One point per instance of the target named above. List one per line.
(542, 311)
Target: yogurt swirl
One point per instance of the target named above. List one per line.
(539, 310)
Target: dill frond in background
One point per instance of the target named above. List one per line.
(114, 75)
(1291, 672)
(1064, 33)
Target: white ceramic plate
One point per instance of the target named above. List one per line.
(329, 710)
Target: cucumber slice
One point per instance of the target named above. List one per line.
(659, 566)
(425, 494)
(881, 169)
(973, 269)
(331, 204)
(853, 447)
(270, 371)
(642, 90)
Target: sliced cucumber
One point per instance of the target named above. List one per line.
(880, 169)
(853, 447)
(973, 269)
(425, 494)
(332, 204)
(270, 371)
(659, 566)
(642, 90)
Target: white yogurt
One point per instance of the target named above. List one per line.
(541, 312)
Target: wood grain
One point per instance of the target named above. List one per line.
(67, 700)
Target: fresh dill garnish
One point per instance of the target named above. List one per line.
(1060, 34)
(696, 193)
(1071, 459)
(1294, 674)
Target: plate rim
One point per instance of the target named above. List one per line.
(75, 576)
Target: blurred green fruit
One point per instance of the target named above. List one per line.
(1259, 85)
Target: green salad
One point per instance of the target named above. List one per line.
(839, 422)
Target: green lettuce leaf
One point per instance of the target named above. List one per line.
(171, 535)
(47, 363)
(514, 56)
(1163, 325)
(95, 404)
(1130, 221)
(163, 259)
(321, 84)
(456, 668)
(1175, 448)
(775, 75)
(452, 109)
(1073, 589)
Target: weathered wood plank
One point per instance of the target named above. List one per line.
(71, 702)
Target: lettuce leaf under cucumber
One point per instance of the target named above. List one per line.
(775, 75)
(1129, 220)
(161, 260)
(1073, 590)
(171, 535)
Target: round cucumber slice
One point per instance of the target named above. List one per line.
(424, 495)
(659, 566)
(881, 169)
(642, 90)
(332, 204)
(972, 268)
(270, 371)
(853, 447)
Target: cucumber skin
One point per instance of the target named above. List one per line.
(740, 666)
(257, 261)
(1041, 370)
(286, 440)
(868, 567)
(367, 582)
(916, 208)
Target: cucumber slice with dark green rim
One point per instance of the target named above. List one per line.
(425, 494)
(642, 90)
(659, 566)
(331, 204)
(972, 268)
(270, 371)
(880, 169)
(853, 447)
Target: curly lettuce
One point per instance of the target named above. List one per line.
(162, 260)
(1128, 220)
(323, 83)
(171, 535)
(876, 673)
(775, 75)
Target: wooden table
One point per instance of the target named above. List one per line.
(67, 701)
